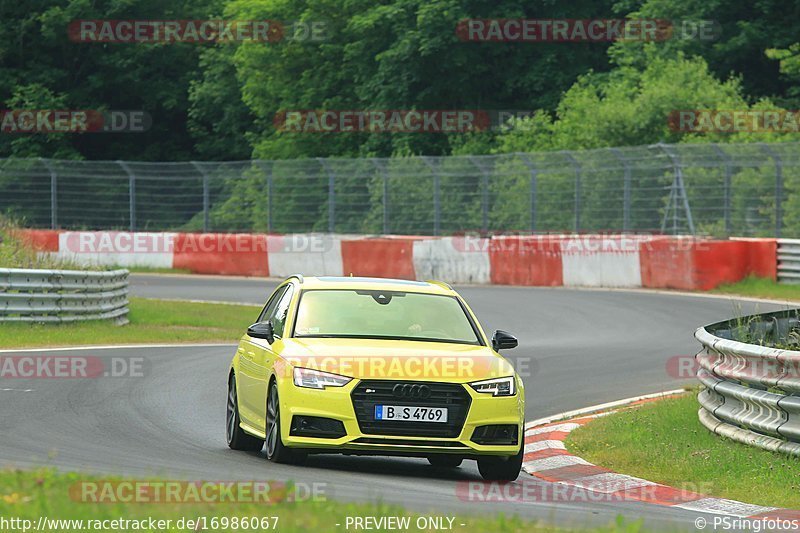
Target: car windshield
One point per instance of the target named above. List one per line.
(383, 315)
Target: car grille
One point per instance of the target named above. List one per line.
(450, 395)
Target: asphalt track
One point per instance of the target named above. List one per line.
(577, 348)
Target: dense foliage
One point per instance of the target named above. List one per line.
(218, 102)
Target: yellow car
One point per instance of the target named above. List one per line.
(375, 367)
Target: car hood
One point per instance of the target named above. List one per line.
(400, 360)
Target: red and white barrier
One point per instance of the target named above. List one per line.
(550, 260)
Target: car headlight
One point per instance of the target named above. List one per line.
(315, 379)
(496, 387)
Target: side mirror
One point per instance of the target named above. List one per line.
(262, 330)
(503, 340)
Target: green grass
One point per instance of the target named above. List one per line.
(761, 288)
(30, 495)
(664, 442)
(151, 321)
(15, 254)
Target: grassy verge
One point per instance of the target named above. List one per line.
(151, 321)
(29, 495)
(664, 442)
(761, 288)
(14, 253)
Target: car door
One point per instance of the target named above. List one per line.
(265, 354)
(252, 371)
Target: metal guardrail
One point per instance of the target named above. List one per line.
(752, 388)
(789, 260)
(28, 295)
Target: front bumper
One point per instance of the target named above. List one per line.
(338, 404)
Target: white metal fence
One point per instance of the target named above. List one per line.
(714, 189)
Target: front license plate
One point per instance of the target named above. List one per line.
(405, 413)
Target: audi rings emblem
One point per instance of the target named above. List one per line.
(412, 391)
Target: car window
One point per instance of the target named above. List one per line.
(384, 315)
(278, 317)
(271, 304)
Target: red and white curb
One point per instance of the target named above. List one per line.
(546, 458)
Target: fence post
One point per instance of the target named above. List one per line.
(266, 166)
(380, 165)
(53, 193)
(436, 201)
(726, 187)
(577, 208)
(678, 188)
(778, 187)
(626, 189)
(533, 188)
(206, 196)
(484, 192)
(131, 193)
(331, 194)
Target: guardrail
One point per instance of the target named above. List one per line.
(789, 260)
(751, 379)
(63, 295)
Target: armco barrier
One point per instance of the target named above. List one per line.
(751, 388)
(789, 260)
(540, 260)
(28, 295)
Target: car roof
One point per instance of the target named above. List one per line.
(365, 283)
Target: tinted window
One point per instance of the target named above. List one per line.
(270, 307)
(278, 317)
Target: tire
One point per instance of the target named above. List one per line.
(445, 461)
(501, 468)
(276, 451)
(235, 436)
